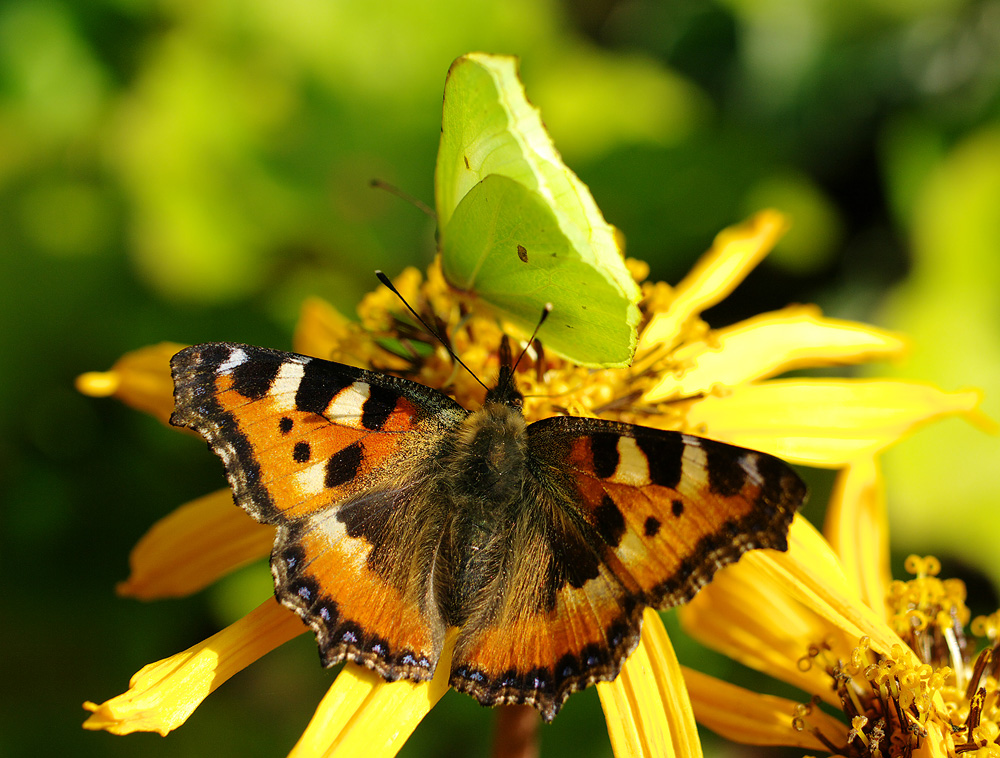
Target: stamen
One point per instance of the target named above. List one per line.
(914, 723)
(987, 626)
(975, 714)
(858, 724)
(955, 652)
(826, 742)
(877, 737)
(854, 700)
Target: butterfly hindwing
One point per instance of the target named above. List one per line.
(337, 458)
(556, 618)
(360, 577)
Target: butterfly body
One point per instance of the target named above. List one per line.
(401, 514)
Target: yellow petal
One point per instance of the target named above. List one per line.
(770, 344)
(752, 718)
(193, 546)
(735, 252)
(746, 616)
(825, 422)
(810, 572)
(320, 330)
(140, 379)
(858, 530)
(363, 715)
(936, 744)
(324, 333)
(646, 708)
(162, 695)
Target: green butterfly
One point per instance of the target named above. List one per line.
(518, 229)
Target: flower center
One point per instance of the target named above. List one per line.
(893, 706)
(388, 340)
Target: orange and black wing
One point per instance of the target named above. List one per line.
(616, 518)
(340, 460)
(671, 508)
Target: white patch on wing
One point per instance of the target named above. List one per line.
(633, 549)
(694, 470)
(354, 552)
(633, 465)
(347, 405)
(286, 384)
(311, 480)
(749, 463)
(237, 357)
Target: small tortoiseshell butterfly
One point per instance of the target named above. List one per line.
(401, 514)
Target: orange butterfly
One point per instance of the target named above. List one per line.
(401, 514)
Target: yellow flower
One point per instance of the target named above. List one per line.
(892, 656)
(686, 377)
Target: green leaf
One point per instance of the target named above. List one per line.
(518, 229)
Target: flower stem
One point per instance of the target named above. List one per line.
(516, 733)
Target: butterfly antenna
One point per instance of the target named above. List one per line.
(545, 314)
(392, 189)
(385, 280)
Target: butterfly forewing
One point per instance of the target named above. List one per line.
(338, 458)
(670, 508)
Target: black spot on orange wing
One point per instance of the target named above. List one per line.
(318, 386)
(568, 667)
(363, 518)
(604, 452)
(343, 465)
(377, 408)
(610, 522)
(301, 452)
(538, 679)
(305, 589)
(253, 379)
(677, 508)
(285, 425)
(726, 473)
(379, 646)
(594, 657)
(665, 453)
(349, 633)
(651, 527)
(617, 633)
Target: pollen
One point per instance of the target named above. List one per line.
(930, 614)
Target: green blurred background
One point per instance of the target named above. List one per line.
(190, 170)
